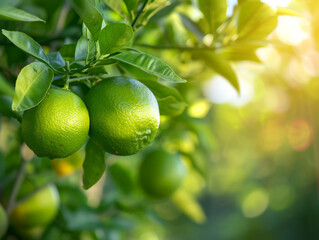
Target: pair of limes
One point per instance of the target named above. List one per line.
(120, 114)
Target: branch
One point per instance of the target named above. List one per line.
(175, 47)
(139, 13)
(16, 186)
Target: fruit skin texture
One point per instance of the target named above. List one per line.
(161, 173)
(38, 210)
(58, 126)
(124, 115)
(3, 222)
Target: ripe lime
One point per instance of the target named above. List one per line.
(58, 126)
(3, 222)
(38, 210)
(161, 173)
(124, 115)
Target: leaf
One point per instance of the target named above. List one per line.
(164, 12)
(188, 205)
(56, 60)
(81, 219)
(68, 51)
(255, 20)
(15, 14)
(192, 26)
(288, 12)
(89, 14)
(130, 4)
(91, 49)
(214, 12)
(32, 84)
(5, 108)
(5, 87)
(93, 166)
(222, 67)
(114, 37)
(81, 49)
(115, 5)
(149, 64)
(27, 44)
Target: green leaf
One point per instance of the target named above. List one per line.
(222, 67)
(5, 108)
(114, 37)
(56, 60)
(93, 166)
(81, 49)
(15, 14)
(130, 4)
(288, 12)
(192, 26)
(68, 51)
(164, 12)
(116, 5)
(149, 64)
(32, 84)
(89, 14)
(214, 12)
(27, 44)
(5, 87)
(189, 206)
(91, 48)
(255, 20)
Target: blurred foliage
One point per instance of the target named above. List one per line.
(252, 157)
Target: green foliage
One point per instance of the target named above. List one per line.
(172, 47)
(94, 164)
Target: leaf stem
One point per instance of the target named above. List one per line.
(16, 186)
(67, 76)
(139, 13)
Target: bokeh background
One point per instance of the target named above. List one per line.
(253, 157)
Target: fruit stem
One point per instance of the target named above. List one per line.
(67, 75)
(16, 186)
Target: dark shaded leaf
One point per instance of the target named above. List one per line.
(94, 165)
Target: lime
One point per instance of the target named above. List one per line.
(58, 126)
(161, 173)
(124, 115)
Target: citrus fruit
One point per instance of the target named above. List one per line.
(3, 222)
(36, 211)
(58, 126)
(161, 173)
(68, 165)
(124, 115)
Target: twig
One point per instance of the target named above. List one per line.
(139, 13)
(175, 47)
(16, 186)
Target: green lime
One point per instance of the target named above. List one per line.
(58, 126)
(161, 173)
(36, 211)
(124, 115)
